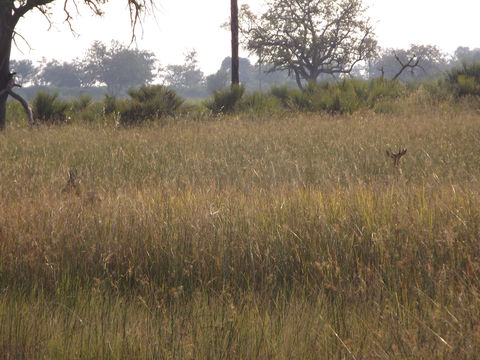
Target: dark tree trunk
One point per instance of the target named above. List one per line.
(234, 28)
(298, 80)
(6, 26)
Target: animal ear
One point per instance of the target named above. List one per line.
(388, 153)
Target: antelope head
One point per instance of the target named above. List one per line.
(73, 182)
(397, 157)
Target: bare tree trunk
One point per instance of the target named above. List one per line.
(298, 80)
(234, 29)
(7, 24)
(5, 46)
(7, 80)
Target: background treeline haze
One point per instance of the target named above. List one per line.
(115, 68)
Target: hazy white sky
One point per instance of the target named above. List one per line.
(181, 25)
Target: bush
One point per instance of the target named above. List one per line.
(47, 108)
(343, 97)
(466, 80)
(225, 101)
(284, 94)
(346, 96)
(259, 103)
(82, 102)
(149, 103)
(109, 104)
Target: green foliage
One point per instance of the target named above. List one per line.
(260, 103)
(149, 103)
(225, 101)
(109, 104)
(346, 96)
(284, 94)
(82, 102)
(465, 80)
(117, 66)
(326, 36)
(64, 74)
(16, 114)
(47, 108)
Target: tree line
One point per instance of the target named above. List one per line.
(116, 68)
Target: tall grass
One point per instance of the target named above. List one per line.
(284, 238)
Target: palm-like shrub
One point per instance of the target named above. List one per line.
(465, 80)
(226, 101)
(47, 108)
(149, 103)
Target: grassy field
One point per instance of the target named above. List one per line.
(243, 237)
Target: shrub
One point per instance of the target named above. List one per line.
(284, 94)
(109, 104)
(259, 103)
(343, 97)
(149, 103)
(82, 102)
(465, 80)
(381, 89)
(225, 101)
(47, 108)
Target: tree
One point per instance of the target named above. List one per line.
(59, 74)
(245, 69)
(234, 30)
(186, 79)
(218, 81)
(11, 11)
(252, 76)
(24, 69)
(465, 54)
(416, 63)
(117, 67)
(309, 37)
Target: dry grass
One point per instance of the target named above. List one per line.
(243, 238)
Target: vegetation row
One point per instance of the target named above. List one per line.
(153, 103)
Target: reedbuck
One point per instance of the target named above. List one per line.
(74, 185)
(397, 159)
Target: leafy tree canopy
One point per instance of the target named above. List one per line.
(310, 37)
(25, 70)
(187, 79)
(426, 61)
(118, 67)
(63, 74)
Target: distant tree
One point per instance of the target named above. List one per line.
(416, 63)
(309, 37)
(11, 11)
(253, 76)
(186, 79)
(217, 81)
(245, 69)
(65, 74)
(24, 69)
(117, 67)
(465, 54)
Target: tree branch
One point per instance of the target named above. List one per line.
(10, 85)
(410, 64)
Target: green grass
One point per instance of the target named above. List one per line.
(243, 238)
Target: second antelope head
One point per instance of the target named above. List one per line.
(397, 157)
(73, 182)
